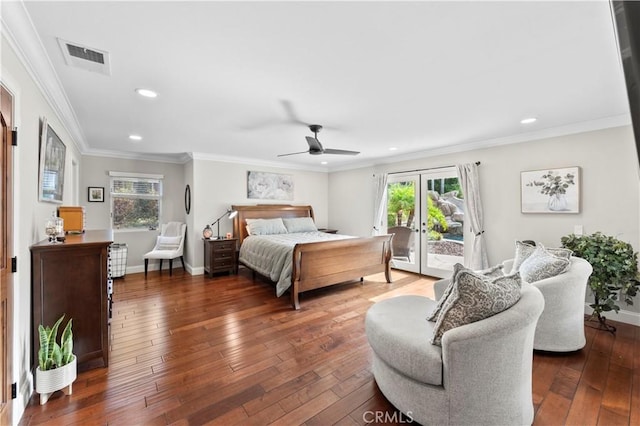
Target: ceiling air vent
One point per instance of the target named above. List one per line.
(87, 58)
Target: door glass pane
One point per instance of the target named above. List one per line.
(402, 218)
(445, 220)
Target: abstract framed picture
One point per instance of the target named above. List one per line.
(95, 194)
(269, 186)
(52, 163)
(550, 190)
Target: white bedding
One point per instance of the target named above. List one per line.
(271, 255)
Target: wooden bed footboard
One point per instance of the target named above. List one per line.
(325, 263)
(322, 264)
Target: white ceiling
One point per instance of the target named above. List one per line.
(420, 76)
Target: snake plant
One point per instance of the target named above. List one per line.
(51, 354)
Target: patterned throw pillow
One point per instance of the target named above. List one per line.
(542, 264)
(475, 297)
(523, 251)
(493, 272)
(447, 292)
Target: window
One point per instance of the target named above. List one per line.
(136, 200)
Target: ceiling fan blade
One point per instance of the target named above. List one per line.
(340, 151)
(291, 114)
(314, 144)
(293, 153)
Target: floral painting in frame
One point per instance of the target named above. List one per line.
(550, 190)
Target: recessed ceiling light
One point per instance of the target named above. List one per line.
(393, 148)
(146, 93)
(135, 137)
(324, 162)
(528, 120)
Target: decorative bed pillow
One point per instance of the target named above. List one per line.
(265, 226)
(168, 243)
(299, 224)
(542, 264)
(475, 297)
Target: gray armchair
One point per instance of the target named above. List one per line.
(481, 375)
(402, 242)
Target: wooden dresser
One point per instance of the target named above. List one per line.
(73, 278)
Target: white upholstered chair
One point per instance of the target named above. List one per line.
(169, 245)
(480, 376)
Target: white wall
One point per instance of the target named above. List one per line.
(95, 172)
(218, 185)
(29, 213)
(610, 190)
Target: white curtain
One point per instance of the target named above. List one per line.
(468, 175)
(380, 188)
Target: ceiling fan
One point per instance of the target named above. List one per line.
(316, 148)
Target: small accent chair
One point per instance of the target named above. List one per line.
(480, 376)
(169, 245)
(402, 241)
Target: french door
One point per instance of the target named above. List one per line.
(425, 212)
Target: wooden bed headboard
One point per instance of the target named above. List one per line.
(265, 211)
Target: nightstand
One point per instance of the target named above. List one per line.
(220, 256)
(328, 231)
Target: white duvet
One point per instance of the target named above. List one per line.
(272, 255)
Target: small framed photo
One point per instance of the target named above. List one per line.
(96, 194)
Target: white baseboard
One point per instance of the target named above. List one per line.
(627, 317)
(165, 266)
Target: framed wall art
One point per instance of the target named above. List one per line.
(269, 186)
(550, 190)
(95, 194)
(51, 168)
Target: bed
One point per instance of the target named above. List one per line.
(332, 260)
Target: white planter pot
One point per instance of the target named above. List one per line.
(49, 381)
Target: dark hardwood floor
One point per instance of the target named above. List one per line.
(192, 350)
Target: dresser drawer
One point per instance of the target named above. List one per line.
(224, 246)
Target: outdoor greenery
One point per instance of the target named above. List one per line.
(135, 213)
(400, 204)
(434, 216)
(51, 354)
(450, 184)
(615, 269)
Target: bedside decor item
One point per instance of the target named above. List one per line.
(95, 194)
(56, 362)
(269, 186)
(207, 232)
(550, 190)
(52, 162)
(231, 213)
(615, 271)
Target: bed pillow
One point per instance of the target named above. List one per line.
(168, 243)
(542, 264)
(475, 297)
(299, 224)
(266, 226)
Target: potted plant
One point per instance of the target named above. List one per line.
(615, 271)
(56, 368)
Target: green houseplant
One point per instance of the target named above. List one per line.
(56, 363)
(615, 271)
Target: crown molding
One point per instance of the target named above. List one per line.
(19, 31)
(177, 158)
